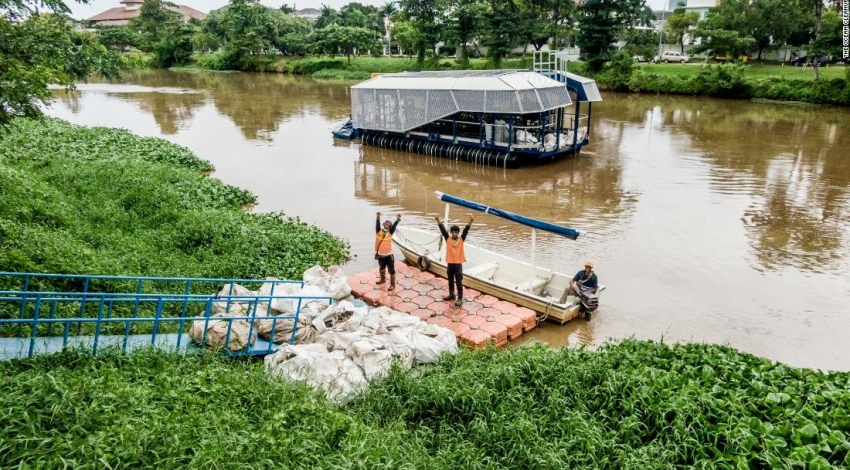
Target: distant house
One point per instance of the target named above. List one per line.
(120, 16)
(310, 14)
(700, 6)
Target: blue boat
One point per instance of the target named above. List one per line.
(506, 118)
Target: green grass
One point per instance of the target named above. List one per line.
(750, 71)
(78, 200)
(637, 405)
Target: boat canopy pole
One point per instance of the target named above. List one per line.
(533, 223)
(533, 264)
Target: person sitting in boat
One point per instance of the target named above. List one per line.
(455, 258)
(584, 281)
(384, 249)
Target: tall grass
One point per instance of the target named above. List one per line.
(633, 405)
(83, 200)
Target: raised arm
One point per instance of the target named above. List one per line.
(466, 229)
(395, 224)
(442, 227)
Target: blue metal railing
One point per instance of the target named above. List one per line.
(33, 307)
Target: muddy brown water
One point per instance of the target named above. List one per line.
(709, 220)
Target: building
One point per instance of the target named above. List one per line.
(120, 16)
(700, 6)
(310, 14)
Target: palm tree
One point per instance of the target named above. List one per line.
(386, 13)
(328, 16)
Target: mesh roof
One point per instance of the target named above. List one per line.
(402, 101)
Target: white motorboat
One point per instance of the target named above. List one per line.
(520, 282)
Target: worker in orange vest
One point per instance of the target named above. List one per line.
(455, 258)
(384, 249)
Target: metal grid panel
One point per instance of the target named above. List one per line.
(552, 98)
(363, 106)
(414, 104)
(468, 100)
(502, 102)
(440, 104)
(529, 101)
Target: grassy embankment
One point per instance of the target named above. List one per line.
(634, 405)
(77, 200)
(758, 81)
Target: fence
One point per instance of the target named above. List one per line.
(44, 313)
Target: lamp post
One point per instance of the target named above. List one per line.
(661, 28)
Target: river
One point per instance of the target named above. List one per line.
(709, 220)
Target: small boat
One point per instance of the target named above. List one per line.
(520, 282)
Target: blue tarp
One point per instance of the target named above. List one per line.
(567, 232)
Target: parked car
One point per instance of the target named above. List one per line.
(639, 58)
(673, 56)
(821, 59)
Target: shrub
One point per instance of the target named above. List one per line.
(335, 74)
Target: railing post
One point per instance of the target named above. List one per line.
(23, 303)
(98, 323)
(83, 305)
(295, 323)
(34, 331)
(156, 320)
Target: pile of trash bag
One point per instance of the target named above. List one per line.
(356, 345)
(272, 300)
(338, 348)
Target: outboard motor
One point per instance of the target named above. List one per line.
(589, 303)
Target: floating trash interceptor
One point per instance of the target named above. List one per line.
(508, 118)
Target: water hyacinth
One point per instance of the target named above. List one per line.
(629, 405)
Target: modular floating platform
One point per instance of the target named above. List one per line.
(480, 321)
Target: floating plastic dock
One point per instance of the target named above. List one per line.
(481, 320)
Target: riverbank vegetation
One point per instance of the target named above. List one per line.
(632, 405)
(103, 201)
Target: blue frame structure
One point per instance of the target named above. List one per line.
(124, 312)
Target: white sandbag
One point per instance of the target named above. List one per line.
(337, 313)
(277, 291)
(333, 282)
(217, 333)
(230, 305)
(332, 372)
(377, 364)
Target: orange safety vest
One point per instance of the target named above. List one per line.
(384, 243)
(454, 251)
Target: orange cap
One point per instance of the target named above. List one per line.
(588, 264)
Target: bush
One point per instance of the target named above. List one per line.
(309, 66)
(334, 74)
(617, 72)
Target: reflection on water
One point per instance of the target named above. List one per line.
(709, 220)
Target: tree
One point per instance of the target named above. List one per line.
(536, 25)
(407, 37)
(291, 34)
(463, 24)
(335, 39)
(641, 42)
(723, 42)
(427, 17)
(502, 29)
(600, 23)
(117, 37)
(41, 49)
(679, 23)
(328, 16)
(386, 13)
(164, 34)
(772, 22)
(245, 28)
